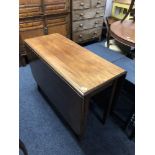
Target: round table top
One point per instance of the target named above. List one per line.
(124, 32)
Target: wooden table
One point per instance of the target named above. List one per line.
(69, 75)
(123, 32)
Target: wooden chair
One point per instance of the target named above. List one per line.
(125, 5)
(130, 11)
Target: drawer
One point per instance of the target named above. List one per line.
(58, 25)
(29, 2)
(56, 6)
(31, 28)
(31, 24)
(87, 24)
(86, 35)
(89, 13)
(31, 33)
(29, 8)
(80, 4)
(97, 3)
(29, 11)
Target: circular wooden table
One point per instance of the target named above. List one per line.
(123, 32)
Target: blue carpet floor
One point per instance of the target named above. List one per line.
(44, 133)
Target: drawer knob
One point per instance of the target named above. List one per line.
(95, 32)
(81, 25)
(96, 22)
(81, 14)
(80, 35)
(82, 4)
(97, 12)
(99, 2)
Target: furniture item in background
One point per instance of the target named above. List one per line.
(42, 17)
(123, 32)
(131, 11)
(87, 19)
(69, 75)
(120, 8)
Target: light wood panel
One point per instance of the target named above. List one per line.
(41, 17)
(82, 69)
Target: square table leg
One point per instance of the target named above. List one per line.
(116, 88)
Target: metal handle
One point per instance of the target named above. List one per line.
(81, 14)
(99, 2)
(82, 4)
(97, 12)
(45, 30)
(80, 35)
(81, 25)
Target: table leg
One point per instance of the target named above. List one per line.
(117, 84)
(84, 117)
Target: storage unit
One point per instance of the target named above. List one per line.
(41, 17)
(87, 19)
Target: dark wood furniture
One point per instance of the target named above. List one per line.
(42, 17)
(119, 36)
(87, 19)
(130, 11)
(69, 75)
(108, 22)
(124, 32)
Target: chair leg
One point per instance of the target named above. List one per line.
(108, 38)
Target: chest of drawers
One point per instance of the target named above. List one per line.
(87, 19)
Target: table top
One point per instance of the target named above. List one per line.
(124, 32)
(82, 69)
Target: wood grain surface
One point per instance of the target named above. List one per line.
(124, 30)
(82, 69)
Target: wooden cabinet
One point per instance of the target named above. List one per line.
(56, 6)
(59, 24)
(42, 17)
(87, 19)
(29, 8)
